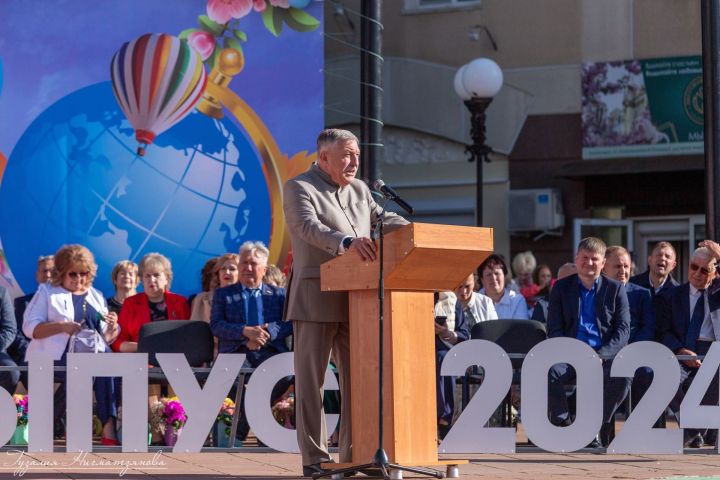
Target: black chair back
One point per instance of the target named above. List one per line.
(513, 336)
(191, 337)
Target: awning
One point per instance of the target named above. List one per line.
(627, 166)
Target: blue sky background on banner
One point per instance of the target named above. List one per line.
(50, 52)
(52, 49)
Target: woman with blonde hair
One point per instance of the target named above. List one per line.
(125, 280)
(57, 321)
(155, 303)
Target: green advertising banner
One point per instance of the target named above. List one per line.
(642, 108)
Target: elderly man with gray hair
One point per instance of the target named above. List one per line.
(246, 317)
(689, 323)
(328, 214)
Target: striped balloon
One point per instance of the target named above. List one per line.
(157, 80)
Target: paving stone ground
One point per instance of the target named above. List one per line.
(254, 465)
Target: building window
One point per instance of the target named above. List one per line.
(428, 6)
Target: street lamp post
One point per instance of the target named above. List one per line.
(476, 83)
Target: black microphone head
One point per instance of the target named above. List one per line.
(378, 184)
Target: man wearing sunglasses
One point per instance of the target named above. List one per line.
(687, 328)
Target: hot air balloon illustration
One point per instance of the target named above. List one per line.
(157, 80)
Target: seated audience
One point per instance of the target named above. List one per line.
(274, 276)
(685, 319)
(225, 272)
(450, 328)
(125, 280)
(8, 330)
(523, 266)
(541, 307)
(63, 308)
(247, 317)
(476, 306)
(642, 313)
(208, 279)
(508, 304)
(661, 263)
(155, 303)
(43, 274)
(593, 309)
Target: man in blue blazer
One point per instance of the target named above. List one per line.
(593, 309)
(642, 313)
(247, 318)
(688, 328)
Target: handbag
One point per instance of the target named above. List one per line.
(86, 340)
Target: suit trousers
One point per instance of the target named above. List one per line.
(615, 389)
(687, 375)
(314, 342)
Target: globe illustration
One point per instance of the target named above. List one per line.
(74, 177)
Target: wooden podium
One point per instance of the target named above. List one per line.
(419, 259)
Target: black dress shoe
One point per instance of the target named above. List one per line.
(595, 443)
(309, 470)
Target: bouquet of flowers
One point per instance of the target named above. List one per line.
(226, 414)
(284, 409)
(21, 404)
(173, 413)
(167, 412)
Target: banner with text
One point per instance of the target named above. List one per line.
(640, 108)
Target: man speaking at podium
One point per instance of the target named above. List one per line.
(328, 214)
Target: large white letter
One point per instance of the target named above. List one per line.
(257, 403)
(201, 404)
(638, 434)
(534, 381)
(81, 368)
(470, 433)
(40, 421)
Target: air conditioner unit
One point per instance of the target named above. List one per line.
(534, 210)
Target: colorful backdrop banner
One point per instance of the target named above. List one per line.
(224, 98)
(641, 108)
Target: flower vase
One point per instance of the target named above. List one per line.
(171, 435)
(20, 436)
(222, 439)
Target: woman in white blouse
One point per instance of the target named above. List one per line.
(508, 304)
(62, 308)
(476, 306)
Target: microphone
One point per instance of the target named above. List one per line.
(391, 194)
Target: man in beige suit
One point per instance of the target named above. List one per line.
(329, 214)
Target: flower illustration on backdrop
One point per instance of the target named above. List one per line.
(203, 43)
(219, 29)
(21, 404)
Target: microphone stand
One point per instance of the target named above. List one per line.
(380, 460)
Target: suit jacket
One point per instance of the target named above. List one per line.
(227, 319)
(8, 326)
(135, 313)
(673, 316)
(319, 215)
(19, 346)
(643, 279)
(642, 313)
(612, 313)
(461, 329)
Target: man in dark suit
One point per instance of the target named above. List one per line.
(594, 309)
(661, 263)
(43, 274)
(9, 379)
(687, 328)
(247, 317)
(642, 313)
